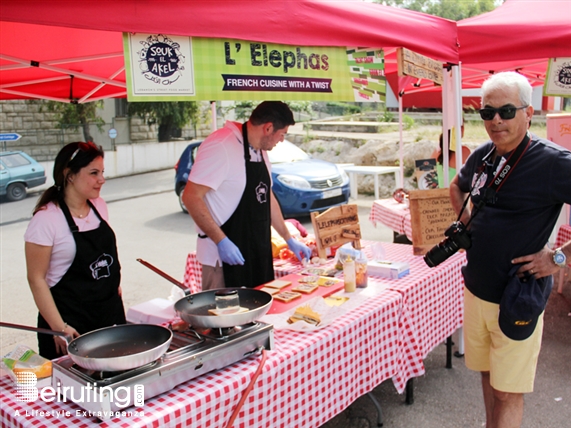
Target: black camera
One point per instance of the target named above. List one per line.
(457, 236)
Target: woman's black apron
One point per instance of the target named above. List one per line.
(249, 227)
(87, 296)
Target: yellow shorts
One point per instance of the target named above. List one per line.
(511, 363)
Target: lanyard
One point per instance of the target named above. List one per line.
(509, 165)
(499, 179)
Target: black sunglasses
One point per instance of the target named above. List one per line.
(505, 112)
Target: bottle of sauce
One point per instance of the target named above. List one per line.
(349, 275)
(361, 271)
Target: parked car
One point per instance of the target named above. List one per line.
(182, 169)
(301, 184)
(19, 171)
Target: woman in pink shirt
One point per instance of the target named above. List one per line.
(71, 252)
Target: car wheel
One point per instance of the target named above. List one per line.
(16, 192)
(180, 193)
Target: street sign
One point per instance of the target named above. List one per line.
(112, 133)
(10, 136)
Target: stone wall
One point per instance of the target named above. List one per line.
(42, 139)
(141, 132)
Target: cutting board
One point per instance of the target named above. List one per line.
(279, 307)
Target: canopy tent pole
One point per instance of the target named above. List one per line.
(401, 157)
(447, 122)
(402, 82)
(457, 94)
(213, 113)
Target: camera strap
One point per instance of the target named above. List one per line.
(509, 165)
(499, 179)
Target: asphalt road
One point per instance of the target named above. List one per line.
(149, 224)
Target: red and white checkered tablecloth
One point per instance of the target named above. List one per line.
(563, 236)
(432, 299)
(309, 377)
(393, 215)
(433, 304)
(306, 380)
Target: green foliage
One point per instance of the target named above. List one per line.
(74, 116)
(337, 108)
(178, 113)
(408, 171)
(170, 116)
(387, 116)
(408, 121)
(242, 109)
(301, 106)
(308, 137)
(454, 10)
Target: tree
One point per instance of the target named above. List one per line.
(454, 10)
(243, 109)
(170, 116)
(75, 115)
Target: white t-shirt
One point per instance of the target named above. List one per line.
(220, 165)
(49, 228)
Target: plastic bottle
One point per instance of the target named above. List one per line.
(361, 271)
(349, 275)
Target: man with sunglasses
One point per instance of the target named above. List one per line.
(517, 184)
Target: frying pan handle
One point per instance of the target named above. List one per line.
(36, 329)
(164, 275)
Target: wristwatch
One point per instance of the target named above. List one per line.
(559, 257)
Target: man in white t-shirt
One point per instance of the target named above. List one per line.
(230, 199)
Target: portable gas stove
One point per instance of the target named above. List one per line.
(191, 354)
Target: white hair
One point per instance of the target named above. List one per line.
(505, 80)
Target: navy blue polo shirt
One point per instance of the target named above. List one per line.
(521, 219)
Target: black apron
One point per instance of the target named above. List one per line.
(249, 227)
(87, 295)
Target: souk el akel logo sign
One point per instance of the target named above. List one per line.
(176, 68)
(558, 78)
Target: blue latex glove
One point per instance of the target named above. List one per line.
(300, 250)
(229, 252)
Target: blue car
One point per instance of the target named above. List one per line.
(19, 171)
(301, 184)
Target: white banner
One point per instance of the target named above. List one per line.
(558, 78)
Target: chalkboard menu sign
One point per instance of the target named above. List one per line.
(431, 213)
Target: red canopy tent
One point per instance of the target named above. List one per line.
(70, 49)
(518, 35)
(518, 30)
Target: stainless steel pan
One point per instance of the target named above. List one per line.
(193, 308)
(116, 348)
